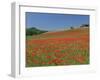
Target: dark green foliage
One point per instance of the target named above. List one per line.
(84, 25)
(34, 31)
(71, 27)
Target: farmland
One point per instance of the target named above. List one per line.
(67, 47)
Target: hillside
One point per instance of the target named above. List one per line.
(34, 31)
(69, 47)
(74, 33)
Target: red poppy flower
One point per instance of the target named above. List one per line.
(48, 56)
(57, 50)
(33, 54)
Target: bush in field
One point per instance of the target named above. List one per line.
(71, 27)
(34, 31)
(84, 25)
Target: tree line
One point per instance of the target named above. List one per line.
(34, 31)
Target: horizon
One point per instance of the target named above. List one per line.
(52, 21)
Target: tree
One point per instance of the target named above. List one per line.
(34, 31)
(71, 27)
(84, 25)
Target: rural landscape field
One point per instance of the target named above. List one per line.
(56, 39)
(68, 47)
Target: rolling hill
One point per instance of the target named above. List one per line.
(72, 33)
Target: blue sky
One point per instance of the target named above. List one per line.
(50, 21)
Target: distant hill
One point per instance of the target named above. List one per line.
(34, 31)
(77, 32)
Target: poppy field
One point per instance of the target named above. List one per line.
(67, 47)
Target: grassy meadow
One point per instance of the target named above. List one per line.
(66, 47)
